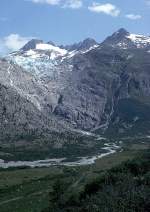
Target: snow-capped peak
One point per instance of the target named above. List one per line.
(123, 39)
(38, 57)
(38, 48)
(42, 58)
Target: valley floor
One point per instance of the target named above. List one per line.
(27, 189)
(79, 161)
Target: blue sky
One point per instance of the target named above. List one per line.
(69, 21)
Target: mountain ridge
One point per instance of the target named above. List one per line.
(83, 87)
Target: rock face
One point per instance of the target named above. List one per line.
(87, 85)
(24, 105)
(31, 44)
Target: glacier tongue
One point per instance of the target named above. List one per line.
(46, 60)
(40, 66)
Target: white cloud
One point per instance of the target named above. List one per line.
(12, 42)
(133, 16)
(73, 4)
(51, 2)
(15, 41)
(108, 9)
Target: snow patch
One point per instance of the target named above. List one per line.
(49, 47)
(91, 48)
(74, 52)
(139, 40)
(9, 73)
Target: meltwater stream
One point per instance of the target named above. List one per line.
(109, 149)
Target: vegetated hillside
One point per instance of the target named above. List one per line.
(122, 188)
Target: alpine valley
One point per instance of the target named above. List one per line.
(74, 101)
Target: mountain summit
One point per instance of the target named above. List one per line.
(31, 44)
(123, 39)
(82, 46)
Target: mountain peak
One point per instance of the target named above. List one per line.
(31, 44)
(88, 41)
(51, 43)
(117, 39)
(123, 39)
(122, 31)
(83, 45)
(91, 40)
(120, 34)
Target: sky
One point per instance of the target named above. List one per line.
(69, 21)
